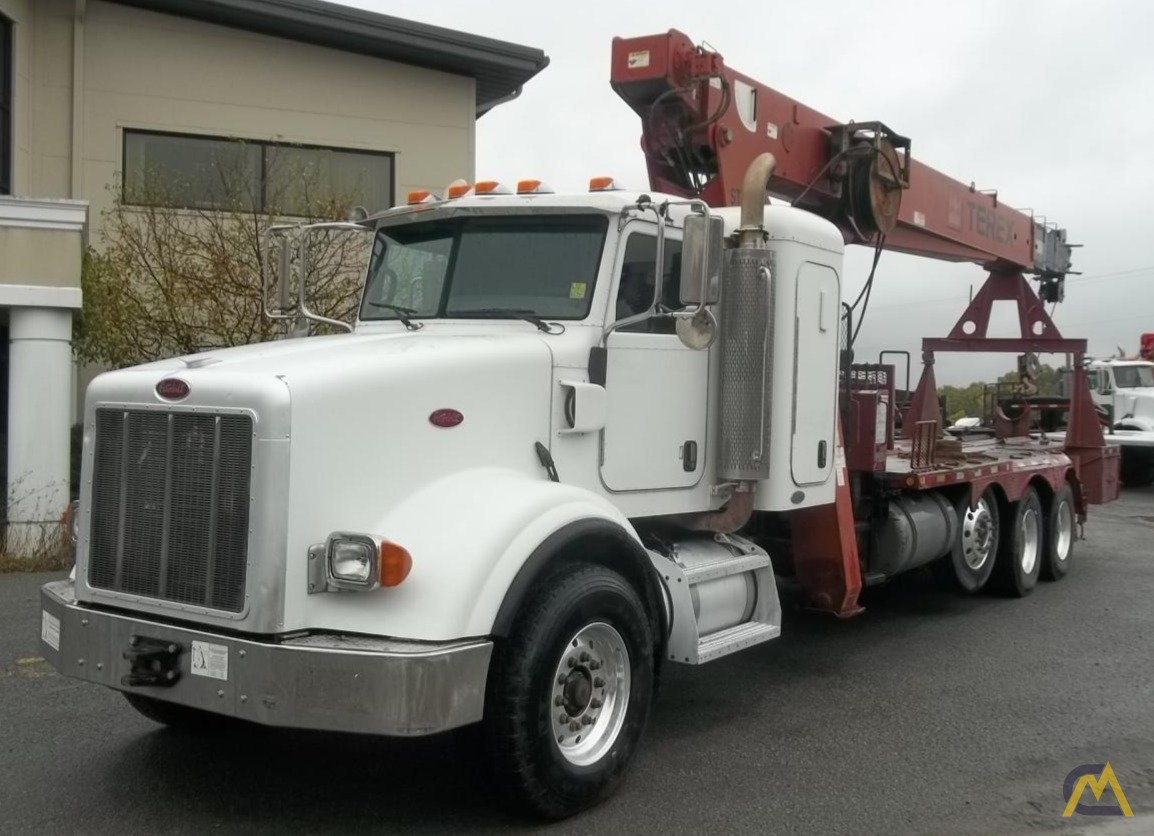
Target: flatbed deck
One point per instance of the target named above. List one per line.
(955, 461)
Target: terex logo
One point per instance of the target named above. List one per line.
(988, 223)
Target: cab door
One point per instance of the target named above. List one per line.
(656, 388)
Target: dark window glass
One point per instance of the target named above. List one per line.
(636, 288)
(195, 172)
(477, 267)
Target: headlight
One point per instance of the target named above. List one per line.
(352, 560)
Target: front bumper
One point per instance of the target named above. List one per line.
(325, 682)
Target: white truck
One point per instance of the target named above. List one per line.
(556, 451)
(1124, 388)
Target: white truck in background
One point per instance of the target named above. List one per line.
(1124, 389)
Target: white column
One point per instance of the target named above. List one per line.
(39, 418)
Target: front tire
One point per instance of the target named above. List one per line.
(1137, 468)
(176, 716)
(569, 692)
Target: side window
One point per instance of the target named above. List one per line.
(1092, 379)
(636, 285)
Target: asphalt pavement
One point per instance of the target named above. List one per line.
(930, 713)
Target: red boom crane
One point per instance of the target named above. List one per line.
(703, 123)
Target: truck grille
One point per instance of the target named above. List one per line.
(170, 506)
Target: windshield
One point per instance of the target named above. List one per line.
(479, 267)
(1132, 377)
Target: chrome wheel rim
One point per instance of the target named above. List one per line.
(590, 694)
(978, 535)
(1065, 531)
(1029, 530)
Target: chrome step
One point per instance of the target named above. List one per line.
(722, 568)
(724, 642)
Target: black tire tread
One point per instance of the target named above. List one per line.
(509, 697)
(1052, 569)
(1008, 578)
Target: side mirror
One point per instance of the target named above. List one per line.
(701, 246)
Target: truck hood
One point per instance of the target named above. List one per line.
(347, 429)
(307, 357)
(1137, 403)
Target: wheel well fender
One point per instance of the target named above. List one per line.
(1135, 422)
(591, 540)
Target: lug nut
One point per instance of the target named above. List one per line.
(563, 719)
(585, 657)
(594, 703)
(574, 726)
(598, 683)
(594, 665)
(561, 679)
(586, 720)
(558, 700)
(571, 662)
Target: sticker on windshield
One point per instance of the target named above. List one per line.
(577, 290)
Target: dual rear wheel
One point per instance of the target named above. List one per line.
(1011, 548)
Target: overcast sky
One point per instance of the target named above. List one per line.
(1048, 102)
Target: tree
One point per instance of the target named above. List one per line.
(963, 401)
(161, 282)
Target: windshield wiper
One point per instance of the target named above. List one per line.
(513, 313)
(403, 314)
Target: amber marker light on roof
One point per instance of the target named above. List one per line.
(604, 184)
(458, 188)
(533, 187)
(491, 187)
(422, 196)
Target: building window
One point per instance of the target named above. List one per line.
(198, 172)
(7, 74)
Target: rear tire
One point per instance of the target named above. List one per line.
(970, 562)
(1059, 535)
(1021, 556)
(569, 692)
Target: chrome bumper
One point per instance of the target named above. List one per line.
(330, 682)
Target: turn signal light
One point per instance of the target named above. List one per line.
(533, 187)
(604, 184)
(491, 187)
(395, 563)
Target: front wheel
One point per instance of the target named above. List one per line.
(1137, 468)
(569, 692)
(176, 716)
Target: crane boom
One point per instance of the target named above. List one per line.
(703, 123)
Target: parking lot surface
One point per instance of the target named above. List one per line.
(930, 713)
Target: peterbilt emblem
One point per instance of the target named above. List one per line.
(173, 389)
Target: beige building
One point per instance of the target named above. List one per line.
(99, 93)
